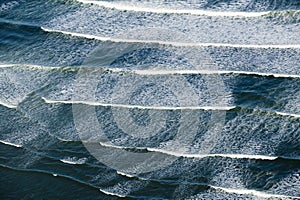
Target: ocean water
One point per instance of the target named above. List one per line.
(195, 99)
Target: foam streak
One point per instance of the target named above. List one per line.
(183, 72)
(172, 153)
(8, 105)
(133, 8)
(158, 72)
(140, 107)
(10, 144)
(173, 43)
(288, 114)
(112, 194)
(252, 192)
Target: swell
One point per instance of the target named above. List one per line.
(253, 192)
(118, 6)
(84, 183)
(240, 191)
(176, 44)
(138, 106)
(38, 12)
(145, 72)
(199, 156)
(282, 112)
(237, 156)
(184, 72)
(259, 6)
(200, 12)
(20, 38)
(222, 108)
(226, 58)
(66, 177)
(115, 193)
(258, 156)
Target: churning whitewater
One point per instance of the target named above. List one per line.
(150, 99)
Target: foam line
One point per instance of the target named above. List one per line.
(123, 7)
(252, 192)
(41, 67)
(179, 44)
(183, 72)
(68, 162)
(6, 65)
(10, 144)
(8, 105)
(111, 193)
(71, 162)
(223, 108)
(125, 174)
(140, 107)
(172, 153)
(232, 190)
(233, 156)
(158, 72)
(288, 114)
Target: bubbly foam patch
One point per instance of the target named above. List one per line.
(73, 160)
(141, 8)
(199, 29)
(196, 7)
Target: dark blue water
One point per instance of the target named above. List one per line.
(107, 102)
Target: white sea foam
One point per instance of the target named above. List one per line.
(138, 106)
(74, 161)
(234, 190)
(234, 156)
(8, 105)
(182, 72)
(223, 108)
(41, 67)
(6, 65)
(131, 176)
(122, 6)
(288, 114)
(178, 154)
(162, 72)
(125, 174)
(251, 192)
(10, 144)
(111, 193)
(173, 43)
